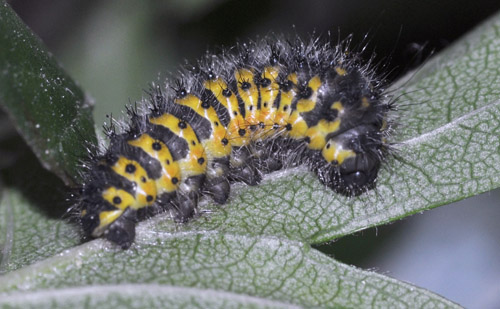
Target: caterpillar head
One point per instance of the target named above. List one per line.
(353, 159)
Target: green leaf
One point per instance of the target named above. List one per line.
(48, 108)
(28, 234)
(195, 268)
(255, 250)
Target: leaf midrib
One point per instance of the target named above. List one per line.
(137, 289)
(446, 127)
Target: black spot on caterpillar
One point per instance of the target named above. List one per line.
(252, 110)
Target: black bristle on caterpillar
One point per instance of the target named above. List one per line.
(254, 109)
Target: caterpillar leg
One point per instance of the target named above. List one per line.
(216, 184)
(243, 167)
(187, 199)
(247, 174)
(268, 154)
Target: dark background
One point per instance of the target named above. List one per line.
(114, 48)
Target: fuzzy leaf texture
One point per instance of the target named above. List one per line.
(255, 251)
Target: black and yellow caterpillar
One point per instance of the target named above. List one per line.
(233, 117)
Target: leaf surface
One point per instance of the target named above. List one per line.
(47, 107)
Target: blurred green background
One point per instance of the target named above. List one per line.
(115, 48)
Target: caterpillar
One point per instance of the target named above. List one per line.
(250, 110)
